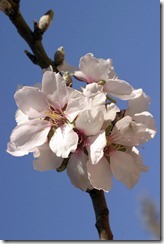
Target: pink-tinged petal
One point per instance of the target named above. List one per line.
(30, 134)
(90, 121)
(139, 103)
(100, 175)
(124, 168)
(66, 67)
(95, 69)
(64, 141)
(31, 101)
(46, 159)
(77, 171)
(134, 152)
(55, 87)
(79, 75)
(96, 145)
(11, 148)
(20, 117)
(119, 88)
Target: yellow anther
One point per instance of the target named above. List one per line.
(53, 115)
(102, 82)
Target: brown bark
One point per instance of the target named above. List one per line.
(33, 38)
(39, 57)
(101, 214)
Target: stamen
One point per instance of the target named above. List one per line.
(56, 116)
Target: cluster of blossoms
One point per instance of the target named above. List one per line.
(83, 131)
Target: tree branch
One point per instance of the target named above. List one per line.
(39, 57)
(34, 41)
(102, 214)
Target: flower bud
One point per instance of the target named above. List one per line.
(5, 6)
(59, 56)
(67, 77)
(46, 20)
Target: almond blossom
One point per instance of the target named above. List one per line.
(87, 126)
(49, 112)
(102, 72)
(120, 157)
(82, 131)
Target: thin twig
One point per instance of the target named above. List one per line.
(40, 58)
(102, 214)
(28, 35)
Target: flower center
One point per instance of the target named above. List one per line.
(56, 116)
(113, 147)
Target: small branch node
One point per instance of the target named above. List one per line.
(31, 57)
(37, 31)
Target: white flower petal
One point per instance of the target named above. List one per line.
(147, 120)
(64, 141)
(95, 95)
(11, 148)
(124, 168)
(75, 106)
(119, 88)
(90, 122)
(30, 134)
(66, 67)
(96, 146)
(31, 101)
(55, 87)
(134, 152)
(77, 171)
(20, 117)
(128, 132)
(48, 69)
(74, 94)
(91, 89)
(120, 128)
(110, 112)
(79, 75)
(140, 103)
(100, 175)
(46, 159)
(95, 69)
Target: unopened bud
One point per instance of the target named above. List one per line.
(59, 56)
(5, 6)
(67, 77)
(46, 20)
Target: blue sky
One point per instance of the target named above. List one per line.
(46, 206)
